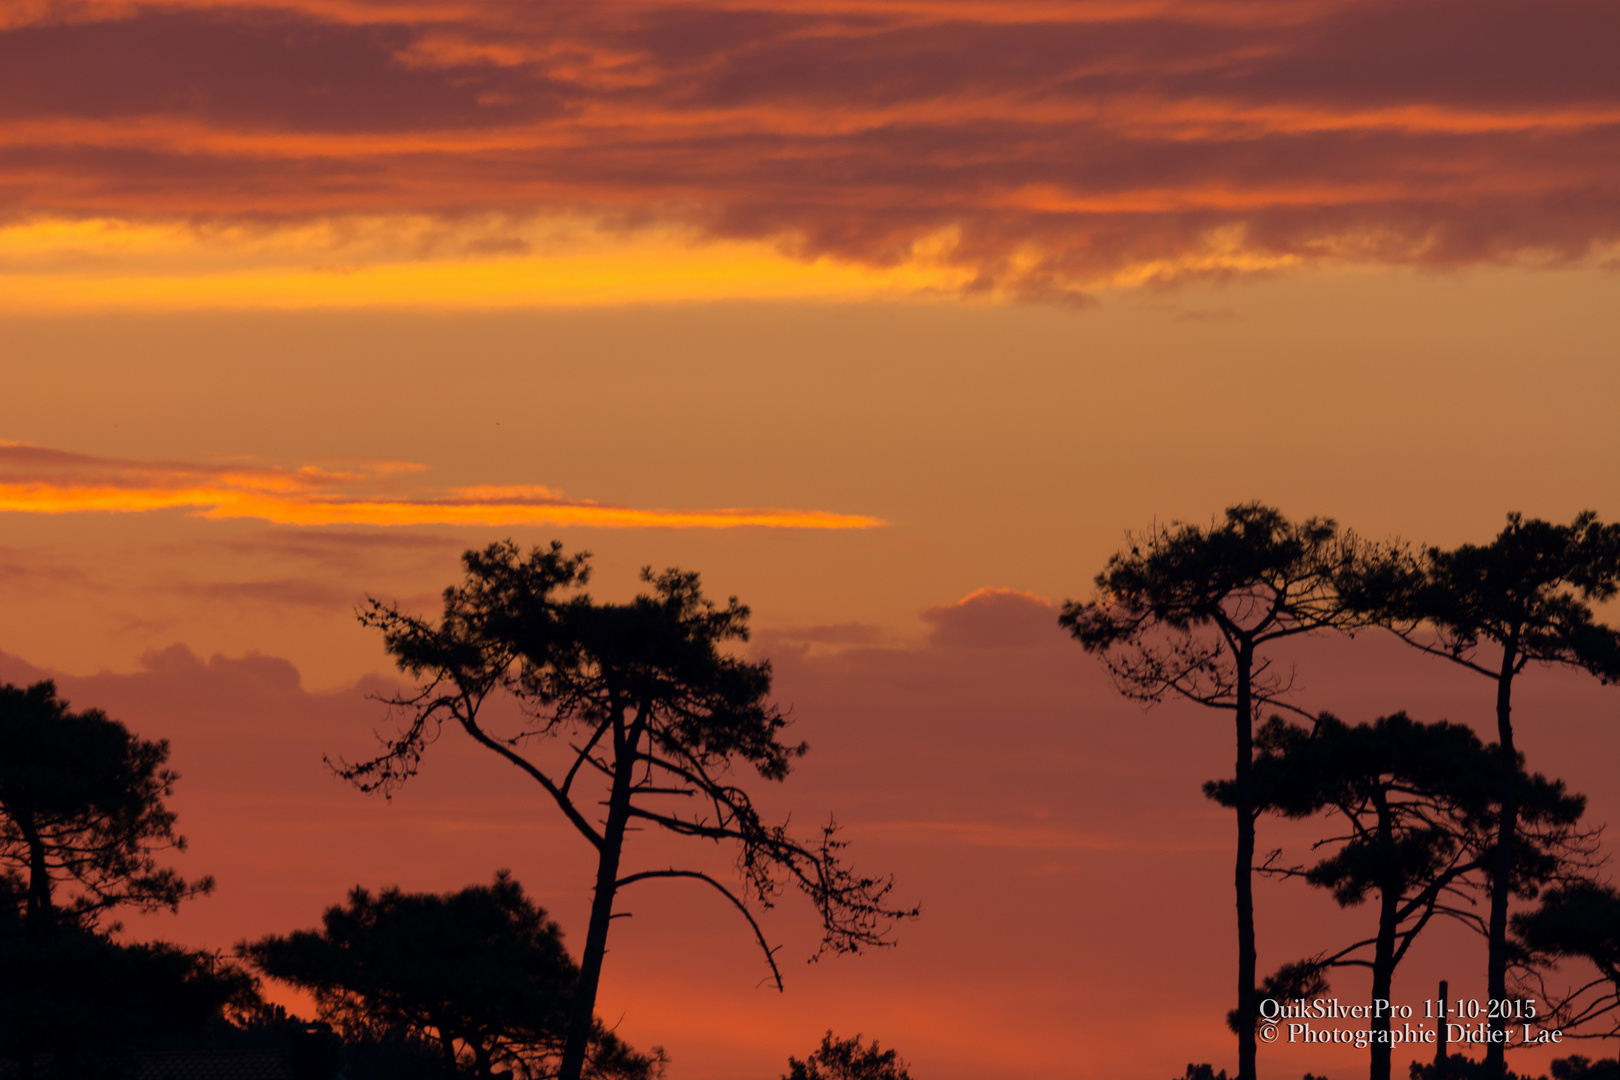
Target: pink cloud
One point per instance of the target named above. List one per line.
(994, 618)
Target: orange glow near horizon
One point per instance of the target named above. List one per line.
(66, 265)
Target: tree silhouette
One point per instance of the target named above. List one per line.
(1529, 594)
(82, 816)
(82, 822)
(847, 1059)
(1187, 612)
(1576, 921)
(634, 707)
(1418, 803)
(480, 971)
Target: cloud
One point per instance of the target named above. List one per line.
(296, 592)
(1020, 149)
(834, 634)
(39, 480)
(994, 618)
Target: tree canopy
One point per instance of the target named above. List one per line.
(82, 813)
(632, 715)
(482, 971)
(1527, 596)
(1577, 921)
(82, 823)
(1417, 805)
(848, 1059)
(1187, 611)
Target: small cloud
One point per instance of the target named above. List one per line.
(849, 633)
(254, 666)
(346, 547)
(295, 592)
(993, 618)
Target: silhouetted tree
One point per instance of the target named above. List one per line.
(1419, 803)
(1187, 612)
(481, 971)
(82, 816)
(847, 1059)
(639, 698)
(1527, 593)
(1576, 921)
(82, 820)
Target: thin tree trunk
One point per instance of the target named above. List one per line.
(40, 916)
(1383, 971)
(447, 1050)
(607, 875)
(1506, 837)
(1243, 872)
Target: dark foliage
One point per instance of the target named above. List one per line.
(1462, 1068)
(82, 816)
(1580, 1068)
(847, 1059)
(89, 1001)
(82, 821)
(637, 709)
(1529, 590)
(1527, 595)
(482, 972)
(1418, 806)
(1187, 612)
(1579, 921)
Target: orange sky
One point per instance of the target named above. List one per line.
(858, 310)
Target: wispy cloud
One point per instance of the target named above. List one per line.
(38, 480)
(1016, 149)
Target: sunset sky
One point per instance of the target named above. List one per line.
(890, 317)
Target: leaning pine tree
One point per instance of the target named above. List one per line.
(632, 716)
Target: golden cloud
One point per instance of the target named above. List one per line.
(38, 480)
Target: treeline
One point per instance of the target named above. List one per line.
(1422, 820)
(642, 716)
(633, 716)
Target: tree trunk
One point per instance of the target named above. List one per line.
(40, 912)
(583, 1015)
(1383, 970)
(1243, 872)
(1506, 837)
(447, 1050)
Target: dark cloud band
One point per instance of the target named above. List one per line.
(1054, 144)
